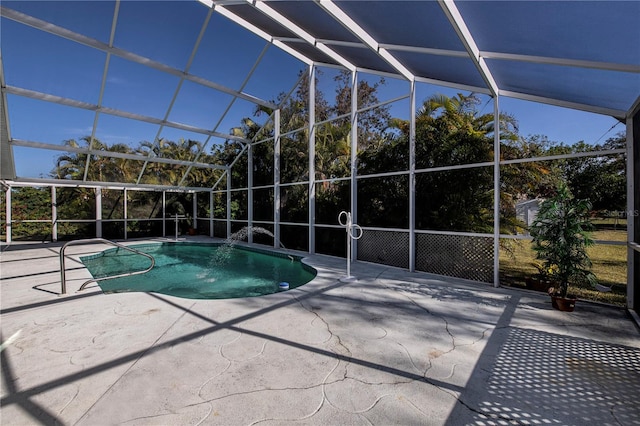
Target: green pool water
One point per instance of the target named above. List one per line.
(198, 271)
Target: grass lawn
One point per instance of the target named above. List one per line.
(517, 261)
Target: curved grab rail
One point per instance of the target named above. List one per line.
(354, 232)
(63, 279)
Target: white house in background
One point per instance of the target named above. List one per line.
(526, 211)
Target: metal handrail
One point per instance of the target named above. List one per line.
(101, 240)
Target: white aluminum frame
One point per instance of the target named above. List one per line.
(96, 44)
(112, 154)
(332, 9)
(457, 22)
(496, 192)
(33, 94)
(312, 159)
(103, 84)
(385, 51)
(412, 178)
(54, 215)
(156, 139)
(633, 174)
(354, 158)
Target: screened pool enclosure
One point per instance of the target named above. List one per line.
(126, 119)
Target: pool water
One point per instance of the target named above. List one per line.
(198, 271)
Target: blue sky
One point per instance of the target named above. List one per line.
(46, 63)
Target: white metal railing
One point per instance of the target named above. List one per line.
(63, 279)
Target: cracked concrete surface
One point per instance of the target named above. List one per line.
(391, 348)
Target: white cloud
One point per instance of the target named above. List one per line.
(116, 80)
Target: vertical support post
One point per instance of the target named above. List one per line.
(176, 222)
(98, 212)
(125, 212)
(496, 191)
(164, 213)
(211, 213)
(354, 156)
(633, 209)
(276, 178)
(194, 207)
(7, 212)
(250, 193)
(312, 159)
(412, 177)
(54, 215)
(228, 202)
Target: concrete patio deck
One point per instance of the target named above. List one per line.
(392, 348)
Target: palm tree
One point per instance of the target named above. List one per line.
(460, 113)
(70, 165)
(333, 151)
(169, 174)
(101, 168)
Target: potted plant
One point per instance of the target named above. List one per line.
(191, 230)
(540, 281)
(561, 235)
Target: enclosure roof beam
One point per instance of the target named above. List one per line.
(96, 44)
(460, 27)
(271, 118)
(577, 63)
(103, 85)
(226, 111)
(565, 104)
(263, 7)
(113, 154)
(257, 31)
(116, 112)
(176, 92)
(218, 3)
(338, 14)
(425, 50)
(606, 66)
(459, 86)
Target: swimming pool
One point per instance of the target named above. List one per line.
(199, 271)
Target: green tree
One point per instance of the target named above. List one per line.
(72, 165)
(31, 203)
(171, 174)
(602, 180)
(449, 131)
(372, 121)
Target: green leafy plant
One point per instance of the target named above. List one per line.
(561, 235)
